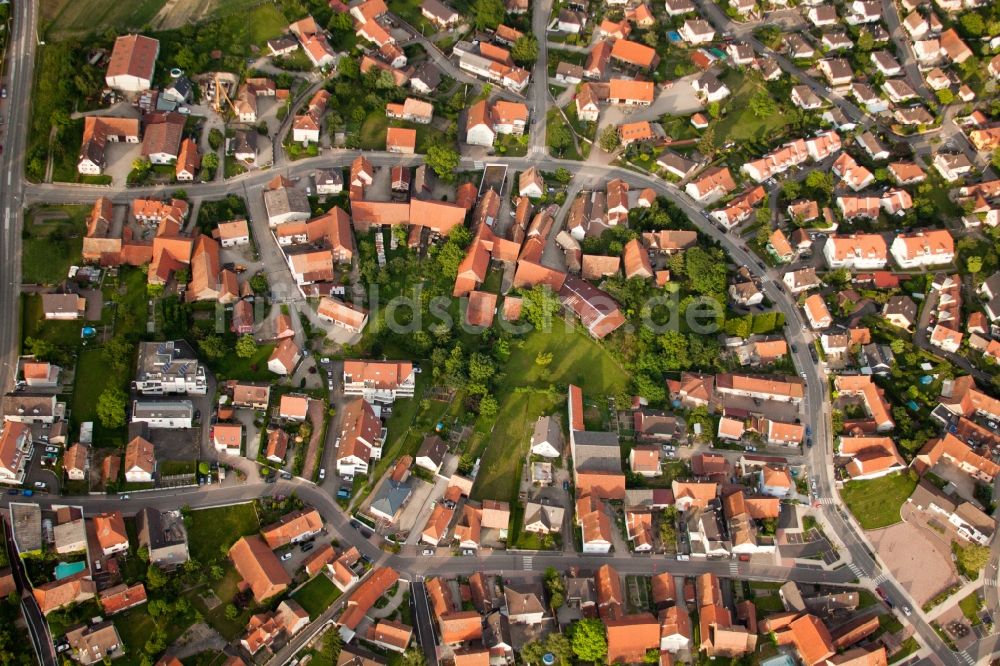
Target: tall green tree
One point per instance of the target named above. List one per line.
(111, 407)
(589, 641)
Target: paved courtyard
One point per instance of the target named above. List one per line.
(918, 558)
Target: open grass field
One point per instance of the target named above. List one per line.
(876, 503)
(53, 240)
(211, 530)
(500, 469)
(740, 124)
(372, 133)
(65, 18)
(34, 324)
(92, 378)
(576, 359)
(317, 595)
(254, 368)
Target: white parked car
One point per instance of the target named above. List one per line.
(322, 473)
(286, 557)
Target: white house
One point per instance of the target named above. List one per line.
(922, 249)
(856, 252)
(547, 439)
(284, 358)
(170, 414)
(140, 461)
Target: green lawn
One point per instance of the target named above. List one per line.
(254, 368)
(225, 589)
(769, 604)
(373, 129)
(576, 359)
(552, 121)
(209, 530)
(34, 324)
(266, 22)
(135, 627)
(876, 503)
(908, 647)
(740, 124)
(92, 378)
(971, 605)
(317, 595)
(53, 240)
(500, 468)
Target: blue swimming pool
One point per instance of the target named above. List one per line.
(67, 569)
(674, 36)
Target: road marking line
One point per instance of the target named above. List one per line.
(526, 562)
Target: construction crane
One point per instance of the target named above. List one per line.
(220, 94)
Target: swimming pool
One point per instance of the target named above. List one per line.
(67, 569)
(780, 660)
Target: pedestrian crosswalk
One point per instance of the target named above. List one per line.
(879, 579)
(856, 570)
(734, 568)
(825, 500)
(991, 582)
(964, 656)
(526, 562)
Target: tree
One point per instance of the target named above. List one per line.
(609, 139)
(332, 644)
(866, 41)
(790, 190)
(563, 175)
(543, 359)
(340, 22)
(820, 181)
(762, 104)
(414, 656)
(525, 50)
(706, 144)
(558, 137)
(155, 578)
(488, 14)
(111, 407)
(898, 346)
(714, 110)
(588, 640)
(212, 346)
(974, 264)
(258, 283)
(210, 161)
(540, 306)
(246, 346)
(231, 611)
(443, 160)
(945, 96)
(972, 24)
(488, 406)
(39, 347)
